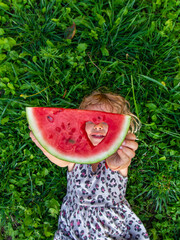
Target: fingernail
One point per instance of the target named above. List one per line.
(120, 147)
(124, 143)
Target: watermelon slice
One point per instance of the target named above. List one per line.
(62, 132)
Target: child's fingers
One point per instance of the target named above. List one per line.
(129, 144)
(123, 161)
(126, 154)
(36, 142)
(32, 136)
(131, 136)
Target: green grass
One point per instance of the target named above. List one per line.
(132, 48)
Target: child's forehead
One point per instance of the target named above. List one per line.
(101, 107)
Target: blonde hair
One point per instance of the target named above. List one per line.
(115, 102)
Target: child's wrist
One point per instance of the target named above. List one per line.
(121, 167)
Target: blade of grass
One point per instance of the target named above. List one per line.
(134, 98)
(4, 110)
(155, 81)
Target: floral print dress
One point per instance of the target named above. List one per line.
(95, 207)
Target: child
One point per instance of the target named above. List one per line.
(95, 207)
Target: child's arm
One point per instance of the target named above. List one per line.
(121, 160)
(53, 159)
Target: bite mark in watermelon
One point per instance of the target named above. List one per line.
(62, 132)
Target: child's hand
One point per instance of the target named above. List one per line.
(122, 158)
(53, 159)
(36, 142)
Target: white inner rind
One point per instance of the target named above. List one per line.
(80, 159)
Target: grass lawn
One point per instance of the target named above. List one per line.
(129, 46)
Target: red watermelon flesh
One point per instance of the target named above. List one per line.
(62, 132)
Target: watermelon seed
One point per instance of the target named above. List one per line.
(68, 126)
(71, 141)
(73, 130)
(58, 129)
(50, 136)
(79, 139)
(56, 112)
(50, 119)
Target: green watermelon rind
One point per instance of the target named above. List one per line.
(81, 160)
